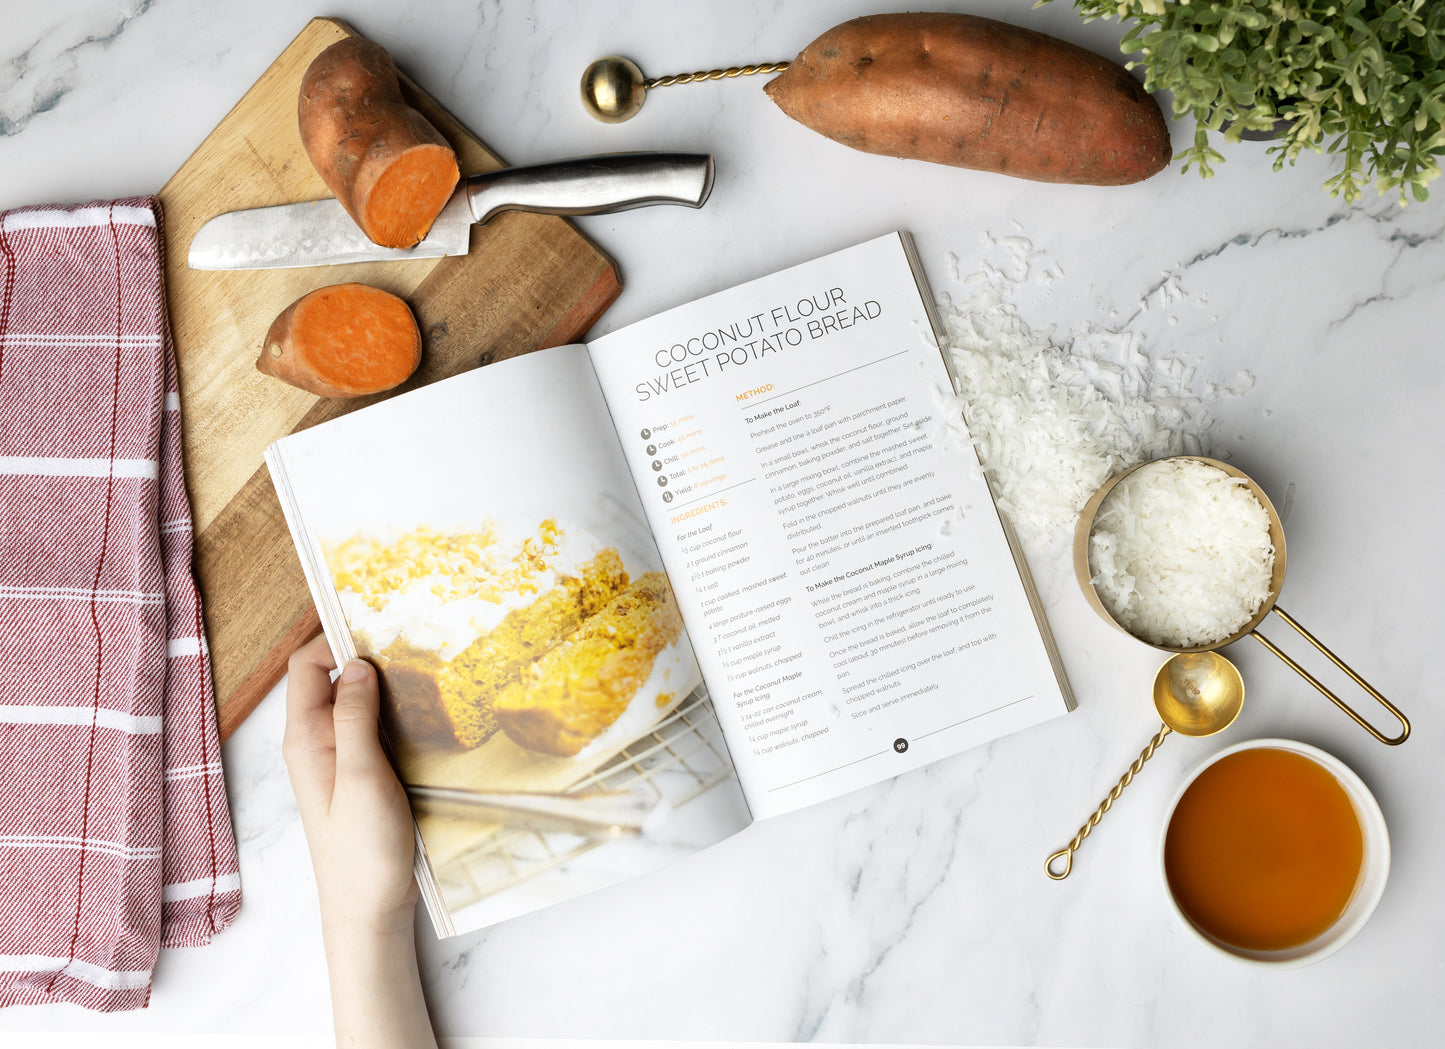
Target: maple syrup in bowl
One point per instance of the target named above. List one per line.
(1275, 853)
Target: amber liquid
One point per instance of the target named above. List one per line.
(1264, 850)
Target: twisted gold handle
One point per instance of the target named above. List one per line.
(1067, 852)
(714, 74)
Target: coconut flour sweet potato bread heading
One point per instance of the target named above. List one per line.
(975, 93)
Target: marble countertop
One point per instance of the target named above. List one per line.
(916, 911)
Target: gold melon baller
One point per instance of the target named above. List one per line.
(1201, 711)
(613, 88)
(1196, 694)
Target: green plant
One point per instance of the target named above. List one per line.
(1361, 79)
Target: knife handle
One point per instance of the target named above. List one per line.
(593, 185)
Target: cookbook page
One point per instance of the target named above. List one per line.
(842, 569)
(481, 541)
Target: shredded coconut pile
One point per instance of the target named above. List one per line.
(1180, 554)
(1052, 417)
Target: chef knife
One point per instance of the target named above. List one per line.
(321, 233)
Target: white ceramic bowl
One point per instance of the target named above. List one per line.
(1375, 865)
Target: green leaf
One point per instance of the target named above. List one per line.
(1362, 80)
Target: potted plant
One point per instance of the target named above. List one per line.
(1362, 80)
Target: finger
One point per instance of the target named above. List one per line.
(358, 705)
(309, 693)
(309, 746)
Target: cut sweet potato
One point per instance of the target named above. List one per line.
(391, 170)
(343, 341)
(975, 93)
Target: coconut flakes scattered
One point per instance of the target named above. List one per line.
(1055, 414)
(1180, 554)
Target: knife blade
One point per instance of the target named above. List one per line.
(321, 233)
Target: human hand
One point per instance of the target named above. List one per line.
(354, 811)
(359, 830)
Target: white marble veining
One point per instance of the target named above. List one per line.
(917, 911)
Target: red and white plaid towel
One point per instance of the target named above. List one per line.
(115, 835)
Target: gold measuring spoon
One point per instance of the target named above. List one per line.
(1196, 694)
(613, 88)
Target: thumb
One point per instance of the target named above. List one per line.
(358, 705)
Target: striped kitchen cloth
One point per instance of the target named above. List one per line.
(115, 835)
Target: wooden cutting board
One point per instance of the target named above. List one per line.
(529, 281)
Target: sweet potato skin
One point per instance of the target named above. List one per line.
(975, 93)
(356, 126)
(345, 340)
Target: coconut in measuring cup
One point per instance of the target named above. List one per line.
(1180, 554)
(1173, 563)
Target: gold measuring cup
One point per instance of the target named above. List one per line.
(1196, 694)
(1276, 535)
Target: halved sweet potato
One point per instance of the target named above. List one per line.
(343, 341)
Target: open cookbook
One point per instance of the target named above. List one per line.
(626, 598)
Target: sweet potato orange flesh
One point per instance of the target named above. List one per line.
(975, 93)
(391, 170)
(343, 341)
(408, 194)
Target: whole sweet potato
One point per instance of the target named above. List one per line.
(391, 170)
(975, 93)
